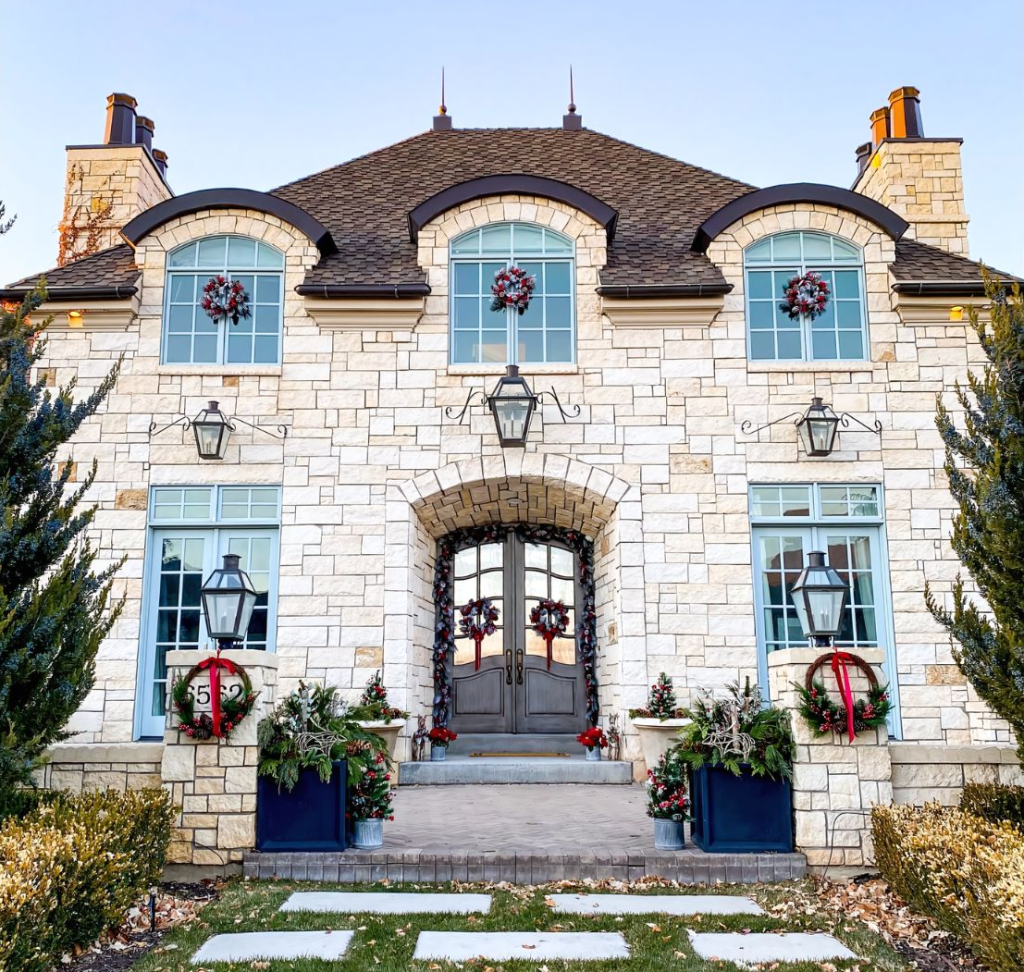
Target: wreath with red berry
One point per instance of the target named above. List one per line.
(805, 296)
(824, 715)
(232, 707)
(477, 621)
(225, 300)
(512, 287)
(550, 620)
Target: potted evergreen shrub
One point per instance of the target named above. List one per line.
(311, 750)
(375, 715)
(370, 804)
(659, 721)
(667, 802)
(740, 758)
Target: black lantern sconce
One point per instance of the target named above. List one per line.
(512, 404)
(817, 428)
(228, 597)
(819, 596)
(212, 430)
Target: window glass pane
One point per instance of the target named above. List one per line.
(268, 289)
(535, 270)
(240, 350)
(266, 318)
(764, 501)
(531, 346)
(851, 345)
(491, 583)
(864, 501)
(467, 312)
(796, 500)
(789, 345)
(762, 346)
(467, 278)
(527, 238)
(843, 250)
(466, 348)
(536, 583)
(561, 561)
(556, 243)
(183, 288)
(848, 314)
(559, 346)
(241, 252)
(212, 252)
(759, 252)
(469, 243)
(563, 590)
(817, 247)
(847, 284)
(465, 561)
(494, 346)
(184, 256)
(204, 349)
(824, 345)
(267, 256)
(762, 313)
(179, 349)
(760, 284)
(558, 312)
(536, 555)
(786, 246)
(496, 238)
(834, 501)
(465, 590)
(557, 278)
(491, 555)
(179, 319)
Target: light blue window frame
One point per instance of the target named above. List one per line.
(840, 334)
(201, 523)
(807, 512)
(546, 333)
(188, 334)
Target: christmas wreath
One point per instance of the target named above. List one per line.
(477, 621)
(824, 715)
(550, 620)
(512, 287)
(224, 300)
(805, 296)
(226, 711)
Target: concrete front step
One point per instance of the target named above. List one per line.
(509, 742)
(690, 866)
(508, 769)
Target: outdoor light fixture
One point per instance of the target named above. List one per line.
(228, 597)
(512, 404)
(956, 313)
(817, 428)
(74, 318)
(212, 430)
(819, 596)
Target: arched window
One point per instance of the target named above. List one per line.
(190, 337)
(546, 332)
(839, 334)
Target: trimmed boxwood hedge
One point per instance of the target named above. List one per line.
(995, 802)
(71, 866)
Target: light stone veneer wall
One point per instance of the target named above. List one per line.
(655, 469)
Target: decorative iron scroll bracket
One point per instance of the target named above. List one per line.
(458, 415)
(183, 420)
(844, 419)
(186, 423)
(461, 414)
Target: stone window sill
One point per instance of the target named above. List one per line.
(756, 367)
(224, 370)
(525, 370)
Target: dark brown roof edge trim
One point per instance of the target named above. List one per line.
(496, 185)
(398, 291)
(193, 202)
(797, 192)
(54, 294)
(666, 290)
(940, 288)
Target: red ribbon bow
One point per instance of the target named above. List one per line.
(215, 663)
(839, 660)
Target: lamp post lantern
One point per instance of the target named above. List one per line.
(818, 428)
(228, 597)
(819, 596)
(212, 431)
(512, 404)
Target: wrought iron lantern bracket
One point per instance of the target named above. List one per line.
(458, 415)
(816, 427)
(186, 423)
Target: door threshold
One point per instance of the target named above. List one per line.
(522, 755)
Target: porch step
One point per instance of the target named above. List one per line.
(508, 742)
(510, 769)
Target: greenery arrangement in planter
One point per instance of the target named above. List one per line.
(657, 723)
(311, 751)
(375, 715)
(370, 804)
(667, 802)
(740, 757)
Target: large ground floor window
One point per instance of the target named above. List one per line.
(191, 528)
(846, 523)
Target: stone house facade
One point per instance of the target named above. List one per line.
(656, 315)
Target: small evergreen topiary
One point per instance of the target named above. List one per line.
(661, 702)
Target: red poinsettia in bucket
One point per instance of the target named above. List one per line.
(441, 737)
(594, 740)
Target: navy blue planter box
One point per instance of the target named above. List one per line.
(745, 813)
(309, 818)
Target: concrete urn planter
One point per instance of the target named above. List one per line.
(656, 735)
(388, 731)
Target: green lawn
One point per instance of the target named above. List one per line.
(386, 943)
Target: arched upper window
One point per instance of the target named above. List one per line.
(190, 336)
(546, 332)
(837, 334)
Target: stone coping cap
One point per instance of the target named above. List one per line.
(807, 656)
(908, 752)
(247, 658)
(123, 752)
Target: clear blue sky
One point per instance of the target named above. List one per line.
(259, 93)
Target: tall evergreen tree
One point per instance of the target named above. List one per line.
(985, 467)
(55, 608)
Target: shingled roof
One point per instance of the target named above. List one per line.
(109, 273)
(365, 204)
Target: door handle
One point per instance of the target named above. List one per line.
(520, 660)
(508, 667)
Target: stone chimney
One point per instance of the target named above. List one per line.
(110, 183)
(920, 178)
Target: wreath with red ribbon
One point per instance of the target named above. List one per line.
(550, 619)
(477, 621)
(225, 299)
(824, 715)
(512, 287)
(225, 712)
(805, 296)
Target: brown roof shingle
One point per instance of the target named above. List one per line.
(112, 269)
(918, 263)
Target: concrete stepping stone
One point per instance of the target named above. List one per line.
(247, 946)
(385, 903)
(787, 947)
(647, 904)
(528, 946)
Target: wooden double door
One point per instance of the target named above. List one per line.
(515, 687)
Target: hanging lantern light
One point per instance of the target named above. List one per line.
(212, 431)
(228, 597)
(512, 404)
(818, 428)
(819, 596)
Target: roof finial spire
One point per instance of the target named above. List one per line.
(572, 122)
(442, 121)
